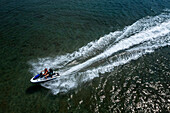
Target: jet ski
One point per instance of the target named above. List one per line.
(40, 79)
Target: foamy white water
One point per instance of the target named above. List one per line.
(120, 47)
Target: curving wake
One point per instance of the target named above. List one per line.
(109, 51)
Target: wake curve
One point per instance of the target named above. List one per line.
(109, 51)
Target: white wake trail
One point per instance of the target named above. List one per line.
(89, 50)
(157, 31)
(112, 50)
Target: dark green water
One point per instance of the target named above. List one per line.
(134, 77)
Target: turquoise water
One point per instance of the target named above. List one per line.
(113, 55)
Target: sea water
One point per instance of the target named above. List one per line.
(113, 56)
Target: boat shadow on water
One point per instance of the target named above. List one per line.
(34, 89)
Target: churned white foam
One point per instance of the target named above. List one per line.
(143, 36)
(112, 50)
(86, 51)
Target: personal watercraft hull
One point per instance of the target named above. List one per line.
(37, 79)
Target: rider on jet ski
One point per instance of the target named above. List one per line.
(50, 73)
(46, 73)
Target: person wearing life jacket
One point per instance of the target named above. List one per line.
(50, 73)
(45, 72)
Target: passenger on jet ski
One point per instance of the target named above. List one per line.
(49, 74)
